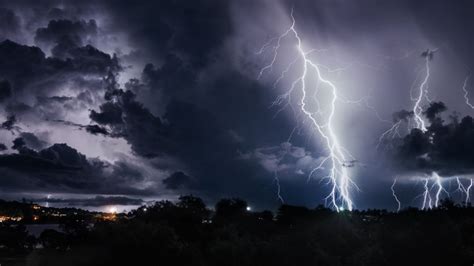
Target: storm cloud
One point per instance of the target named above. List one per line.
(62, 168)
(157, 99)
(446, 147)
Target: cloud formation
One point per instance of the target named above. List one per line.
(163, 98)
(445, 147)
(60, 168)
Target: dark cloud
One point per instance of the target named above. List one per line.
(444, 147)
(128, 118)
(192, 30)
(30, 66)
(60, 168)
(57, 13)
(38, 84)
(192, 105)
(182, 42)
(17, 108)
(92, 129)
(23, 65)
(167, 115)
(66, 35)
(32, 141)
(62, 154)
(186, 129)
(18, 144)
(125, 171)
(10, 23)
(10, 123)
(173, 76)
(177, 180)
(195, 124)
(58, 99)
(5, 90)
(402, 115)
(3, 147)
(109, 114)
(88, 59)
(174, 79)
(434, 109)
(197, 102)
(95, 129)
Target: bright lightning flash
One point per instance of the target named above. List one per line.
(277, 182)
(395, 195)
(417, 109)
(393, 131)
(468, 191)
(464, 89)
(321, 120)
(431, 199)
(464, 190)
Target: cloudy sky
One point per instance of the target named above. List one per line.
(121, 102)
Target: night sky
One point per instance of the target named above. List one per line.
(123, 102)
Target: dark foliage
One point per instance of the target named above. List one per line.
(188, 233)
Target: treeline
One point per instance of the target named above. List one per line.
(189, 233)
(27, 211)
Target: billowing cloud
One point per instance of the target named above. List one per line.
(65, 35)
(402, 115)
(445, 147)
(5, 90)
(60, 168)
(164, 98)
(31, 141)
(10, 24)
(177, 180)
(190, 29)
(284, 158)
(40, 82)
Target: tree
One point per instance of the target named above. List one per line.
(230, 208)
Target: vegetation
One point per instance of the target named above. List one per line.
(188, 233)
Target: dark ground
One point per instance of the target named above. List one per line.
(188, 233)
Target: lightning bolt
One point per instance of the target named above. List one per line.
(395, 195)
(426, 196)
(420, 124)
(440, 188)
(391, 132)
(417, 109)
(461, 187)
(277, 182)
(429, 201)
(338, 178)
(437, 178)
(466, 92)
(468, 191)
(464, 190)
